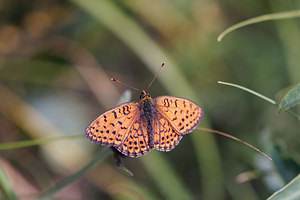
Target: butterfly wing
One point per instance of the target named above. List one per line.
(137, 142)
(165, 137)
(112, 127)
(182, 114)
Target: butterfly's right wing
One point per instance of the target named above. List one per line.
(112, 127)
(175, 117)
(183, 114)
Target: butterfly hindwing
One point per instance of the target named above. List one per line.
(112, 127)
(182, 114)
(165, 138)
(137, 142)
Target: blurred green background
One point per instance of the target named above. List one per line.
(56, 60)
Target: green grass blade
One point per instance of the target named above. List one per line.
(125, 171)
(6, 185)
(259, 95)
(67, 181)
(290, 191)
(291, 99)
(262, 18)
(250, 91)
(28, 143)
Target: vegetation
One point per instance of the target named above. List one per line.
(56, 61)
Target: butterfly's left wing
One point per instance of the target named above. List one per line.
(165, 137)
(182, 114)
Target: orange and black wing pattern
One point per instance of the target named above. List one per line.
(165, 137)
(137, 142)
(182, 114)
(112, 127)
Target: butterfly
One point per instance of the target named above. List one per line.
(135, 128)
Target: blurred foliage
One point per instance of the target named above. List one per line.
(291, 99)
(56, 60)
(289, 192)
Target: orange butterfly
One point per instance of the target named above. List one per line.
(135, 128)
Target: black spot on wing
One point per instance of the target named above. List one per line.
(166, 102)
(115, 114)
(126, 110)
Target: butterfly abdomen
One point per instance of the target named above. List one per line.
(147, 114)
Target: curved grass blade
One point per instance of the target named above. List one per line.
(28, 143)
(125, 170)
(250, 91)
(259, 95)
(234, 138)
(288, 192)
(262, 18)
(6, 185)
(67, 181)
(291, 99)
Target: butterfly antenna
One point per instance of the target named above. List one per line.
(234, 138)
(115, 80)
(156, 75)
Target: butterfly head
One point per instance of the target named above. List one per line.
(145, 95)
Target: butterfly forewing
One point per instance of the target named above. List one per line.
(112, 127)
(182, 114)
(137, 142)
(165, 138)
